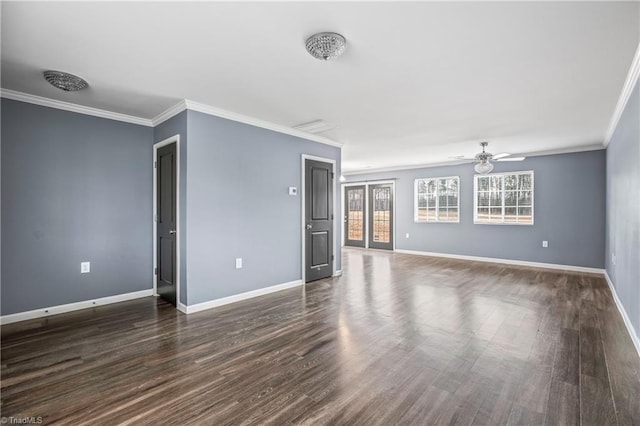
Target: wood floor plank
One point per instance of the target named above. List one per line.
(596, 402)
(564, 404)
(567, 362)
(397, 339)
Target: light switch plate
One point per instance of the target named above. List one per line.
(545, 244)
(293, 190)
(238, 263)
(85, 267)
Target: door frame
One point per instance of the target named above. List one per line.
(366, 184)
(156, 146)
(304, 158)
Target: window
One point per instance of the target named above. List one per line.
(437, 199)
(504, 198)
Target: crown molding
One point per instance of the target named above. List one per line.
(627, 89)
(571, 150)
(169, 113)
(67, 106)
(229, 115)
(165, 115)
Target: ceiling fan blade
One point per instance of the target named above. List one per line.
(501, 155)
(511, 159)
(461, 157)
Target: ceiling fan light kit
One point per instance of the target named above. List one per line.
(483, 168)
(483, 160)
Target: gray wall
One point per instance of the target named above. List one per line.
(177, 125)
(623, 209)
(74, 189)
(569, 194)
(238, 206)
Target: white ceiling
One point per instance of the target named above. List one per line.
(419, 82)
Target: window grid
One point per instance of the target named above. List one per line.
(516, 200)
(434, 199)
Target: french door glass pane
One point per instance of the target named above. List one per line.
(356, 214)
(381, 215)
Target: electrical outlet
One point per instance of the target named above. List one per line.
(545, 244)
(85, 267)
(238, 263)
(406, 235)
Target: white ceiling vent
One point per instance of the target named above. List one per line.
(317, 126)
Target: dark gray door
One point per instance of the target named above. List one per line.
(166, 223)
(318, 220)
(381, 216)
(354, 216)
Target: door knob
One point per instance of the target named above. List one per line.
(308, 226)
(172, 232)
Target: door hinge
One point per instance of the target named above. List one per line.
(332, 175)
(331, 216)
(155, 271)
(333, 257)
(155, 164)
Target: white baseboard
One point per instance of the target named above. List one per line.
(627, 321)
(337, 273)
(182, 307)
(189, 309)
(505, 261)
(60, 309)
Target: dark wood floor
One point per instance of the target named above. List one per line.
(398, 339)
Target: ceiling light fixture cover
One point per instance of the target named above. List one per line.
(325, 46)
(483, 159)
(65, 81)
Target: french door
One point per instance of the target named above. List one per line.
(381, 216)
(354, 216)
(368, 215)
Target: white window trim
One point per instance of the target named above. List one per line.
(475, 199)
(415, 200)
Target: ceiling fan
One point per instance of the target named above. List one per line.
(483, 159)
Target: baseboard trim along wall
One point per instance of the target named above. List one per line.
(627, 322)
(69, 307)
(505, 261)
(337, 273)
(189, 309)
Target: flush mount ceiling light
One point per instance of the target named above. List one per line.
(483, 160)
(65, 81)
(325, 46)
